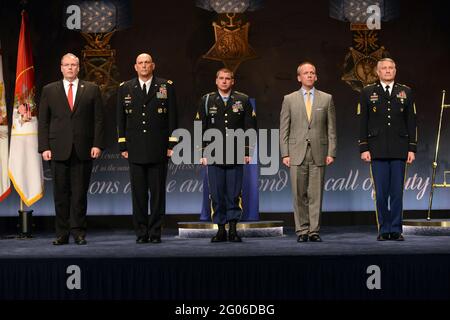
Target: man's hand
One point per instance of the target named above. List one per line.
(247, 160)
(204, 161)
(329, 160)
(411, 157)
(169, 153)
(47, 155)
(287, 161)
(366, 156)
(125, 154)
(95, 152)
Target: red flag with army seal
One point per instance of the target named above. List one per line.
(25, 163)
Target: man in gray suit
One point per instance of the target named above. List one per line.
(307, 144)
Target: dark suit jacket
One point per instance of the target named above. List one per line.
(387, 123)
(60, 128)
(145, 122)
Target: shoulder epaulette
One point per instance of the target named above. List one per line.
(241, 93)
(209, 93)
(403, 85)
(370, 84)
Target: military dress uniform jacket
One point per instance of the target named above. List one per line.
(387, 123)
(236, 114)
(145, 122)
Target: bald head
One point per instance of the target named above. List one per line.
(144, 66)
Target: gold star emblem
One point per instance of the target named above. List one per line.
(231, 47)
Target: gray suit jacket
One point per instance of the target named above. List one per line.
(295, 128)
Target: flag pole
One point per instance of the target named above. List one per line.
(25, 222)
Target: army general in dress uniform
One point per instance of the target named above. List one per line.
(388, 140)
(225, 110)
(146, 117)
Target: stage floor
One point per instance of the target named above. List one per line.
(350, 264)
(353, 241)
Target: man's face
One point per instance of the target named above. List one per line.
(69, 68)
(144, 66)
(307, 75)
(386, 71)
(224, 81)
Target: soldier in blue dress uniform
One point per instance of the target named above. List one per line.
(225, 110)
(388, 141)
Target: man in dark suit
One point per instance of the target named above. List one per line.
(226, 110)
(71, 120)
(388, 140)
(146, 117)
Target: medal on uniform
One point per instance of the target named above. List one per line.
(160, 110)
(374, 97)
(127, 100)
(162, 93)
(213, 110)
(402, 96)
(237, 106)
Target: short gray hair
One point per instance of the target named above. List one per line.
(70, 55)
(385, 59)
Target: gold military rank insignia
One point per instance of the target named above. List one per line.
(169, 81)
(197, 116)
(253, 114)
(160, 110)
(358, 109)
(374, 109)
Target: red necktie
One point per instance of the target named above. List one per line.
(70, 96)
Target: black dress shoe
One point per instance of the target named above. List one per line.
(302, 238)
(221, 235)
(142, 239)
(80, 240)
(155, 239)
(60, 241)
(233, 237)
(315, 238)
(396, 236)
(383, 237)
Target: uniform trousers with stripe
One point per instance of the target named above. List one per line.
(388, 178)
(225, 185)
